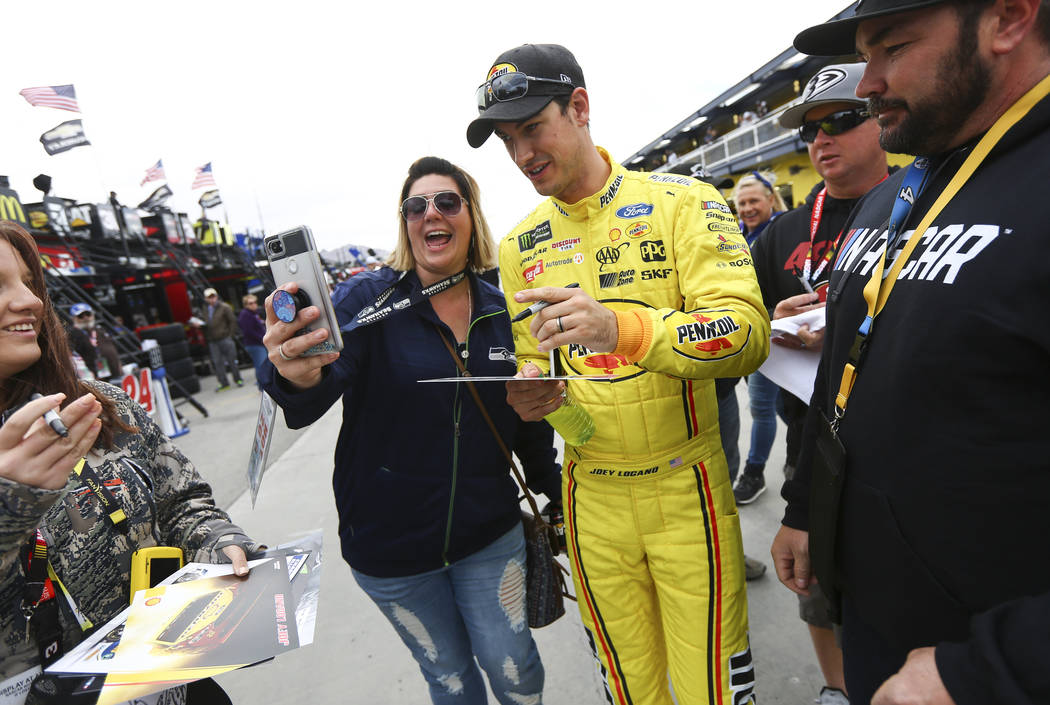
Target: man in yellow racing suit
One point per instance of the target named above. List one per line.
(667, 301)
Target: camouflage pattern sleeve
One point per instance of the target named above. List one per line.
(186, 513)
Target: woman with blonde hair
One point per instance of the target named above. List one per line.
(428, 512)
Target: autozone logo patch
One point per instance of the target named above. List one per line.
(715, 206)
(652, 251)
(528, 240)
(635, 210)
(610, 279)
(531, 272)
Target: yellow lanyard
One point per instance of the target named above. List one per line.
(877, 290)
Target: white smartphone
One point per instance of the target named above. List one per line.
(294, 258)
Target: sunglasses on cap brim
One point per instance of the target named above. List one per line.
(514, 85)
(447, 203)
(833, 124)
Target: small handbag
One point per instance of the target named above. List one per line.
(545, 588)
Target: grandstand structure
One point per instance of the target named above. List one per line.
(739, 130)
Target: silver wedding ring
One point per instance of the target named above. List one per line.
(280, 351)
(561, 329)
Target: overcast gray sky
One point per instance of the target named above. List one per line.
(311, 112)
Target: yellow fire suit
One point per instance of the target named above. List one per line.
(654, 537)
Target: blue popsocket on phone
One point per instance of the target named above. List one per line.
(286, 304)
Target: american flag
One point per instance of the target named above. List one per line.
(203, 177)
(61, 97)
(154, 173)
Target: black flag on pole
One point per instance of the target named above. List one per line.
(64, 137)
(156, 199)
(210, 199)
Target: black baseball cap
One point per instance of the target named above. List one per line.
(551, 62)
(839, 36)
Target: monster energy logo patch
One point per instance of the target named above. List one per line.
(528, 240)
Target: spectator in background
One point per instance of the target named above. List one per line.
(221, 325)
(100, 352)
(252, 331)
(757, 204)
(843, 144)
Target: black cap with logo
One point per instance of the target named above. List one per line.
(839, 36)
(521, 82)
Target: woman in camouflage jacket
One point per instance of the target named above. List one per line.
(164, 499)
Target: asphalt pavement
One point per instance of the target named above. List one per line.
(356, 656)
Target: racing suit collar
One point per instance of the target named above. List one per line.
(603, 197)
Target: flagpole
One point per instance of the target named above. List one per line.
(258, 209)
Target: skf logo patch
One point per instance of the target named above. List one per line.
(531, 272)
(528, 240)
(715, 206)
(650, 274)
(638, 229)
(652, 251)
(609, 255)
(709, 335)
(635, 210)
(615, 234)
(609, 195)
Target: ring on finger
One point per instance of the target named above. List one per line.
(561, 328)
(280, 351)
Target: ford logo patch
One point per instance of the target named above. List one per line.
(635, 210)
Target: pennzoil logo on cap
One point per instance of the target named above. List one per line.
(500, 69)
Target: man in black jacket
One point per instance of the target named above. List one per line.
(843, 144)
(938, 386)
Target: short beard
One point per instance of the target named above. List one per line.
(930, 125)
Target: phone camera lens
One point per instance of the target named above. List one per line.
(276, 247)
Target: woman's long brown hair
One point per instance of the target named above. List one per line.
(54, 371)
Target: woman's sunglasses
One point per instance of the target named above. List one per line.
(447, 203)
(833, 124)
(514, 85)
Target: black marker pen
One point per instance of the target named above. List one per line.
(52, 418)
(539, 306)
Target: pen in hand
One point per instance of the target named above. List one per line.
(539, 306)
(52, 418)
(805, 284)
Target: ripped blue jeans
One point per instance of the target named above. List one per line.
(474, 608)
